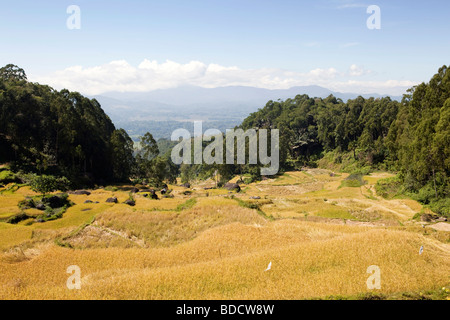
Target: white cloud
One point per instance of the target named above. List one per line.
(152, 75)
(391, 87)
(357, 71)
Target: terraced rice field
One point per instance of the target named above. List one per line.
(210, 244)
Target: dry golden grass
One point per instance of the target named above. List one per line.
(8, 205)
(213, 248)
(13, 235)
(316, 193)
(165, 228)
(309, 260)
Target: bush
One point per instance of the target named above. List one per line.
(18, 218)
(364, 171)
(248, 180)
(441, 206)
(425, 195)
(28, 203)
(46, 184)
(57, 201)
(7, 176)
(353, 181)
(53, 214)
(54, 207)
(389, 188)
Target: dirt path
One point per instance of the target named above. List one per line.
(441, 226)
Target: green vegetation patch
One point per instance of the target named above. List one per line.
(254, 206)
(355, 180)
(7, 176)
(187, 205)
(389, 188)
(52, 206)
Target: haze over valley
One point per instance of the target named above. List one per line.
(163, 111)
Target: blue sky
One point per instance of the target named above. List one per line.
(285, 42)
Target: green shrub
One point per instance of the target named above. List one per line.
(45, 184)
(389, 188)
(364, 171)
(441, 206)
(28, 203)
(18, 218)
(187, 205)
(425, 195)
(7, 176)
(353, 181)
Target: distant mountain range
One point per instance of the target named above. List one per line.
(226, 106)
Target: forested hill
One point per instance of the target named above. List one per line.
(62, 132)
(411, 137)
(66, 134)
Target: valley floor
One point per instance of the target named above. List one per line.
(321, 239)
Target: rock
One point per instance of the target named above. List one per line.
(111, 200)
(154, 196)
(88, 201)
(164, 191)
(233, 186)
(130, 203)
(426, 217)
(255, 198)
(39, 220)
(54, 202)
(81, 193)
(40, 206)
(134, 190)
(186, 185)
(442, 219)
(148, 191)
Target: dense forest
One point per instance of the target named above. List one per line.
(411, 137)
(65, 134)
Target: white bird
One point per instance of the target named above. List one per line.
(421, 250)
(269, 267)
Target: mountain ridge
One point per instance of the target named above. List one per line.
(225, 106)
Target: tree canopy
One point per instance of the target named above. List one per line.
(59, 132)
